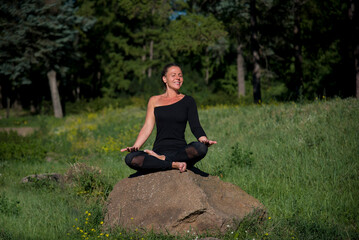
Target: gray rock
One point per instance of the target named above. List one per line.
(44, 176)
(174, 202)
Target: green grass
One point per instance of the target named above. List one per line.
(300, 160)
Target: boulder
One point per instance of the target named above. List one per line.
(174, 202)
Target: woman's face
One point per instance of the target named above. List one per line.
(173, 78)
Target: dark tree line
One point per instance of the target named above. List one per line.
(229, 50)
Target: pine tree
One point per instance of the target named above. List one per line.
(39, 33)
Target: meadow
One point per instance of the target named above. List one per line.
(301, 160)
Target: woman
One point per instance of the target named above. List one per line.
(170, 112)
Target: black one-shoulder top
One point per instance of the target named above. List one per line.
(171, 122)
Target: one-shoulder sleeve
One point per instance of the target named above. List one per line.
(193, 119)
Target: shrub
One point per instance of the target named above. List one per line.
(88, 181)
(95, 105)
(88, 226)
(240, 157)
(14, 147)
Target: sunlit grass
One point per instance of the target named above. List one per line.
(300, 160)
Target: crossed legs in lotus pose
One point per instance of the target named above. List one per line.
(184, 158)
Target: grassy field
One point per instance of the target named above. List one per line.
(300, 160)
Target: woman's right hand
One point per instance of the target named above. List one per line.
(130, 149)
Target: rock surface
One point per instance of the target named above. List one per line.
(44, 176)
(174, 202)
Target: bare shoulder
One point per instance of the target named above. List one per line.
(154, 100)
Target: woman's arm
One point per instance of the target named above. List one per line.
(193, 119)
(195, 125)
(146, 129)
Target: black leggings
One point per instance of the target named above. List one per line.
(190, 154)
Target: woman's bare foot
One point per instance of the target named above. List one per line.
(152, 153)
(182, 166)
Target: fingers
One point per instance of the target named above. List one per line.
(130, 149)
(133, 149)
(183, 167)
(209, 142)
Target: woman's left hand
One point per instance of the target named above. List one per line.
(207, 141)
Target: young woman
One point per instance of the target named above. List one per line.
(170, 112)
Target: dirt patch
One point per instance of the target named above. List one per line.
(21, 131)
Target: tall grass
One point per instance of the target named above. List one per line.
(300, 160)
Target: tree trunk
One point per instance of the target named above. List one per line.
(8, 107)
(356, 56)
(143, 58)
(206, 64)
(1, 97)
(149, 71)
(56, 103)
(255, 53)
(353, 16)
(240, 71)
(298, 75)
(151, 58)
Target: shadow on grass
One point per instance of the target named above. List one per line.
(192, 169)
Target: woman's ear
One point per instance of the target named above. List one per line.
(164, 79)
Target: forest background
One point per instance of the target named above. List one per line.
(231, 52)
(296, 149)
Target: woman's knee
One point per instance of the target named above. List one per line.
(128, 159)
(135, 159)
(201, 148)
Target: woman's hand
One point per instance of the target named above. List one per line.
(130, 149)
(206, 141)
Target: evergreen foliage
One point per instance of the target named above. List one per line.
(305, 48)
(37, 36)
(36, 33)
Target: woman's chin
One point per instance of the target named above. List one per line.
(176, 88)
